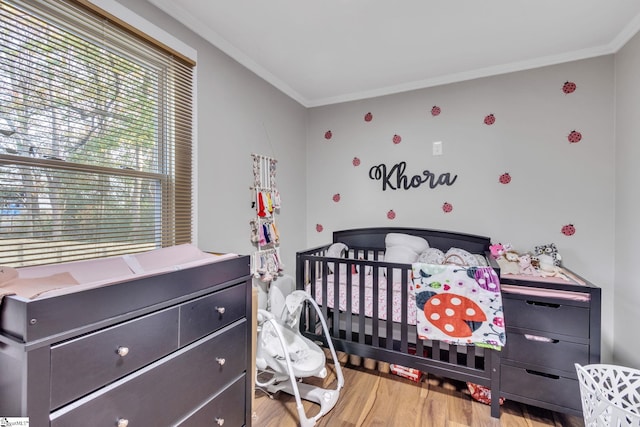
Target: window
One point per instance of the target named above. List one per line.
(95, 137)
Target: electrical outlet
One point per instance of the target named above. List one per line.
(437, 148)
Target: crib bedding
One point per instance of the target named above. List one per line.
(329, 282)
(459, 305)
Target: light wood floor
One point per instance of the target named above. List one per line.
(372, 398)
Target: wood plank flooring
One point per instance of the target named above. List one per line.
(375, 399)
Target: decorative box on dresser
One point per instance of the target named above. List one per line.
(169, 349)
(550, 326)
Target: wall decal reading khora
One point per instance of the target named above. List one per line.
(394, 178)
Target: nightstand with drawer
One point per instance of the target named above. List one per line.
(551, 324)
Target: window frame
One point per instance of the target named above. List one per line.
(124, 19)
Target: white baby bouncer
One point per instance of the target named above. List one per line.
(286, 356)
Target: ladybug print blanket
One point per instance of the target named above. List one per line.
(458, 305)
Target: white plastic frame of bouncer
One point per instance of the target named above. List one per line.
(326, 398)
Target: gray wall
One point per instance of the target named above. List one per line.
(589, 184)
(627, 207)
(554, 182)
(240, 114)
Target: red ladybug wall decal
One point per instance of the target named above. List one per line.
(435, 111)
(568, 230)
(328, 134)
(356, 161)
(368, 117)
(505, 178)
(391, 214)
(569, 87)
(319, 228)
(336, 197)
(447, 207)
(397, 139)
(574, 136)
(489, 120)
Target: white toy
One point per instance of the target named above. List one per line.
(548, 268)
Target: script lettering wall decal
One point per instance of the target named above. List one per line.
(394, 178)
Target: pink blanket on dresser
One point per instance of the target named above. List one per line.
(368, 296)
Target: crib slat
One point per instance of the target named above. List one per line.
(375, 315)
(435, 345)
(336, 298)
(404, 312)
(453, 354)
(325, 299)
(313, 320)
(349, 309)
(471, 356)
(389, 322)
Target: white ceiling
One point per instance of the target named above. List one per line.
(328, 51)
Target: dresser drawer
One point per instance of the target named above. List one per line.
(544, 351)
(546, 314)
(165, 392)
(209, 313)
(226, 408)
(539, 386)
(85, 364)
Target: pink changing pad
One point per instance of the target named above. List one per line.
(58, 279)
(541, 292)
(12, 284)
(573, 279)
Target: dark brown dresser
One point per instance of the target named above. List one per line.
(550, 326)
(171, 349)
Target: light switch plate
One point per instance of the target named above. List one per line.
(437, 148)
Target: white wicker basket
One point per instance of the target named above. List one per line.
(610, 395)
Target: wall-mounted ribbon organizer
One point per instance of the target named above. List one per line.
(265, 262)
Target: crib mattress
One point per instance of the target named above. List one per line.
(368, 296)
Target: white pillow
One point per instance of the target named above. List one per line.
(415, 243)
(400, 254)
(336, 250)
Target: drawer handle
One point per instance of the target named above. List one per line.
(543, 304)
(220, 421)
(542, 374)
(538, 338)
(122, 352)
(122, 422)
(220, 310)
(221, 361)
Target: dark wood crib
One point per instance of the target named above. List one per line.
(385, 334)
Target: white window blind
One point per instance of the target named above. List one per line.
(95, 137)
